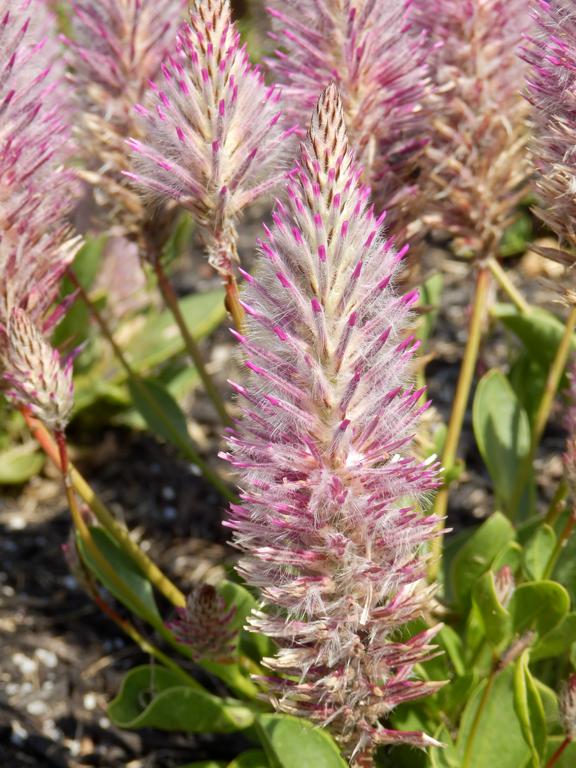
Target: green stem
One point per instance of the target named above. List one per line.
(560, 544)
(557, 504)
(558, 754)
(184, 445)
(508, 287)
(190, 342)
(459, 406)
(120, 534)
(477, 718)
(544, 408)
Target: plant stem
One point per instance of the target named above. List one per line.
(233, 304)
(477, 718)
(557, 504)
(507, 286)
(560, 544)
(544, 408)
(557, 755)
(120, 534)
(184, 445)
(190, 342)
(459, 407)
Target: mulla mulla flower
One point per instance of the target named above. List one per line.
(366, 48)
(35, 243)
(116, 48)
(551, 53)
(214, 133)
(330, 522)
(476, 160)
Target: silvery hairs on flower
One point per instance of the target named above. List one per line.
(476, 159)
(117, 47)
(36, 193)
(215, 134)
(366, 48)
(551, 54)
(329, 523)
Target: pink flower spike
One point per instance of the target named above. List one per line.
(326, 473)
(381, 72)
(233, 129)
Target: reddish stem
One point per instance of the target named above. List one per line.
(558, 754)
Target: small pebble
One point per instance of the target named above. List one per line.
(48, 658)
(26, 665)
(8, 591)
(170, 513)
(19, 734)
(90, 701)
(168, 493)
(37, 708)
(16, 523)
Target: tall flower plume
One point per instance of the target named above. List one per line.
(364, 46)
(551, 53)
(477, 164)
(327, 522)
(35, 195)
(117, 48)
(214, 138)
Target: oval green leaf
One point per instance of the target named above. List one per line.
(154, 697)
(538, 606)
(293, 743)
(20, 463)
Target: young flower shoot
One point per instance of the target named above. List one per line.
(329, 522)
(214, 135)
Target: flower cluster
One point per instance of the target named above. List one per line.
(551, 53)
(380, 69)
(215, 135)
(35, 244)
(568, 707)
(116, 49)
(328, 523)
(476, 166)
(206, 625)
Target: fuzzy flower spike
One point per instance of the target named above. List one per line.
(214, 137)
(36, 193)
(327, 522)
(366, 48)
(117, 48)
(477, 162)
(551, 53)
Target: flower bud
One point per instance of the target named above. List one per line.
(34, 373)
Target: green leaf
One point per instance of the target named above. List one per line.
(517, 236)
(160, 340)
(179, 238)
(502, 432)
(154, 697)
(253, 644)
(126, 570)
(496, 621)
(476, 555)
(160, 411)
(565, 570)
(537, 551)
(529, 709)
(293, 743)
(19, 463)
(538, 606)
(430, 294)
(497, 737)
(204, 764)
(528, 379)
(76, 323)
(556, 642)
(254, 758)
(539, 331)
(568, 758)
